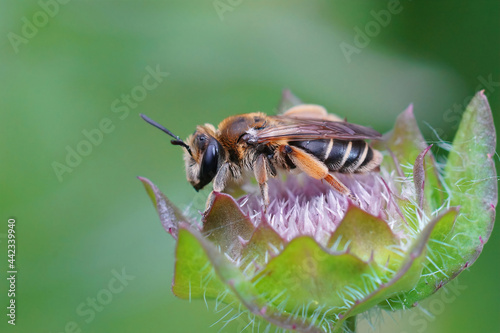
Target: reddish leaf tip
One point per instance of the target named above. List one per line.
(409, 110)
(145, 180)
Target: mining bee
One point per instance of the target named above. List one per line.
(305, 138)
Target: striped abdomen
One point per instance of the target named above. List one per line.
(340, 155)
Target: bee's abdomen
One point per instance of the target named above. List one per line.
(339, 155)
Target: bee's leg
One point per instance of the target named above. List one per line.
(314, 168)
(260, 169)
(221, 177)
(340, 187)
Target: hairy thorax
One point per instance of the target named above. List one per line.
(230, 133)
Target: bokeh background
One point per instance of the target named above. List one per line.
(68, 72)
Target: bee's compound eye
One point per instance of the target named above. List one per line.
(209, 163)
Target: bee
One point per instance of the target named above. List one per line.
(304, 138)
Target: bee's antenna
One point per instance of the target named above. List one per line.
(177, 141)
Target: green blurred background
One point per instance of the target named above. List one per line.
(73, 71)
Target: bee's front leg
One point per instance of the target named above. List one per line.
(222, 177)
(260, 169)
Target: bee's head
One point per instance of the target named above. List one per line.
(203, 154)
(205, 158)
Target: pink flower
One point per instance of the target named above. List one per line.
(314, 260)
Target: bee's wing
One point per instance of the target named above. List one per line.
(301, 129)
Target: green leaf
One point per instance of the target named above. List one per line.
(306, 279)
(472, 179)
(431, 237)
(243, 289)
(471, 182)
(194, 276)
(367, 237)
(264, 243)
(225, 224)
(404, 280)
